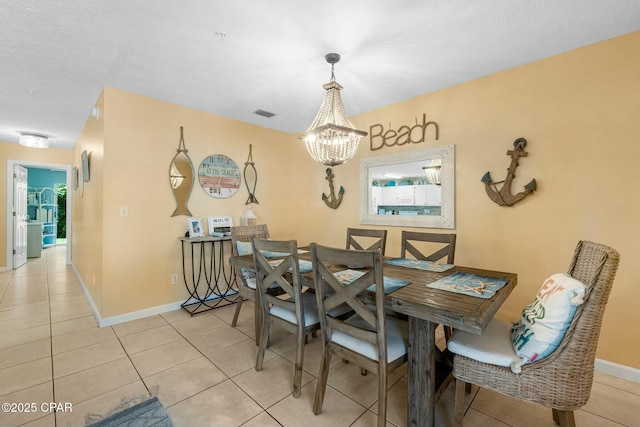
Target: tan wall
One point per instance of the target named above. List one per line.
(578, 112)
(138, 253)
(9, 151)
(87, 223)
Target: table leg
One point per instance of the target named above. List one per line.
(422, 372)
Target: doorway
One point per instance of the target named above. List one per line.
(9, 203)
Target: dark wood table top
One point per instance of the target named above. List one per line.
(464, 312)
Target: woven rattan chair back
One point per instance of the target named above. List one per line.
(365, 239)
(370, 325)
(437, 251)
(562, 381)
(286, 309)
(245, 233)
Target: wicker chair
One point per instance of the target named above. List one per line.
(379, 244)
(246, 280)
(561, 381)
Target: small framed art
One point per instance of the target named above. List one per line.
(195, 227)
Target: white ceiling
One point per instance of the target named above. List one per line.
(56, 56)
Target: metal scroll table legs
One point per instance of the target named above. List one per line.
(204, 276)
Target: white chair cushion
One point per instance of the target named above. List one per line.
(251, 282)
(309, 306)
(493, 346)
(397, 339)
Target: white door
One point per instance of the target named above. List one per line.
(19, 216)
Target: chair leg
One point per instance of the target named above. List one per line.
(459, 402)
(297, 375)
(382, 396)
(234, 322)
(564, 418)
(321, 387)
(263, 340)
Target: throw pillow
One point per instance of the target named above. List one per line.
(544, 322)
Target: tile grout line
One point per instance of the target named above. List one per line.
(53, 383)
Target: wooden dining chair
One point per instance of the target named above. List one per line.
(365, 239)
(435, 252)
(562, 380)
(369, 338)
(293, 310)
(436, 245)
(246, 279)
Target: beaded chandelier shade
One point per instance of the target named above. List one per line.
(432, 171)
(332, 139)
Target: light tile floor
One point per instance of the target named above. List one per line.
(202, 369)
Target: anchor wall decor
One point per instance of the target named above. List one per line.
(503, 196)
(331, 200)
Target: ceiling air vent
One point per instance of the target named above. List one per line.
(263, 113)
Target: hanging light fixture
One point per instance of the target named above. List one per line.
(432, 171)
(332, 139)
(34, 140)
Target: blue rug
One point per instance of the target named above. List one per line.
(149, 413)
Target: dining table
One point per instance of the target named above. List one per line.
(426, 307)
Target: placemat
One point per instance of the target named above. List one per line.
(419, 264)
(469, 284)
(269, 254)
(305, 266)
(390, 284)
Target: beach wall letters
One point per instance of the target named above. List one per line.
(379, 137)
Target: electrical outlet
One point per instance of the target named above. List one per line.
(124, 210)
(174, 279)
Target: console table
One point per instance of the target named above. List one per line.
(204, 274)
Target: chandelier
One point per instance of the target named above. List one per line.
(332, 139)
(432, 171)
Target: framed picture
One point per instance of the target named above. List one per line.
(195, 227)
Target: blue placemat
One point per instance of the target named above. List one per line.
(419, 264)
(305, 266)
(269, 254)
(390, 284)
(469, 284)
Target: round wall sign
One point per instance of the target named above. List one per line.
(219, 176)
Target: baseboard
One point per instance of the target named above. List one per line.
(87, 295)
(622, 371)
(134, 315)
